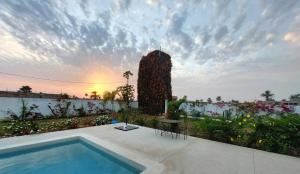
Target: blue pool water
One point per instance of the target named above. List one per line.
(70, 157)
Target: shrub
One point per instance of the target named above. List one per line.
(154, 123)
(212, 128)
(54, 126)
(174, 110)
(21, 127)
(72, 123)
(280, 135)
(103, 119)
(139, 121)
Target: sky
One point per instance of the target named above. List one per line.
(236, 49)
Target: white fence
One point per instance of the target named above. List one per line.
(12, 104)
(220, 109)
(41, 105)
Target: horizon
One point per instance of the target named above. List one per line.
(232, 49)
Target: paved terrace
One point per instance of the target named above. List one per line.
(167, 155)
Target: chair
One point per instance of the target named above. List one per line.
(184, 127)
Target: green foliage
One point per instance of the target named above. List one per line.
(280, 135)
(103, 119)
(24, 110)
(17, 127)
(227, 114)
(139, 121)
(109, 96)
(54, 126)
(212, 128)
(173, 108)
(94, 95)
(64, 96)
(126, 93)
(267, 95)
(25, 89)
(72, 123)
(154, 122)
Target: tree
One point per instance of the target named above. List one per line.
(109, 96)
(154, 82)
(127, 74)
(268, 95)
(94, 95)
(25, 89)
(174, 110)
(219, 98)
(64, 96)
(209, 100)
(126, 92)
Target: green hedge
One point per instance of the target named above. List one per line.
(279, 135)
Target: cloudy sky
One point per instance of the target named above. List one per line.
(235, 49)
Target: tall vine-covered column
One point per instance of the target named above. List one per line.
(154, 82)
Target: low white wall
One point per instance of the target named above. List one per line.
(207, 109)
(219, 109)
(297, 109)
(15, 104)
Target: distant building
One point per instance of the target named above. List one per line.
(292, 102)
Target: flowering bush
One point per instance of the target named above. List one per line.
(21, 128)
(280, 135)
(103, 119)
(53, 126)
(72, 123)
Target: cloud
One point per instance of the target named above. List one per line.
(201, 36)
(292, 37)
(152, 2)
(221, 32)
(221, 6)
(239, 21)
(123, 4)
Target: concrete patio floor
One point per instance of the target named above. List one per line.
(194, 155)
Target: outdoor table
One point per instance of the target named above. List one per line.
(168, 124)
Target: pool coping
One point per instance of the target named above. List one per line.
(134, 159)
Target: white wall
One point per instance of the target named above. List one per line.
(15, 104)
(207, 109)
(215, 109)
(297, 109)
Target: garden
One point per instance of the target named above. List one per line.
(279, 135)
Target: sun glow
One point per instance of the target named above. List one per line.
(104, 81)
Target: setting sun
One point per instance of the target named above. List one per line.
(102, 81)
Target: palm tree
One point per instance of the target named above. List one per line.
(127, 74)
(94, 95)
(209, 100)
(25, 89)
(268, 95)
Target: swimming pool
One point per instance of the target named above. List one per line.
(72, 156)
